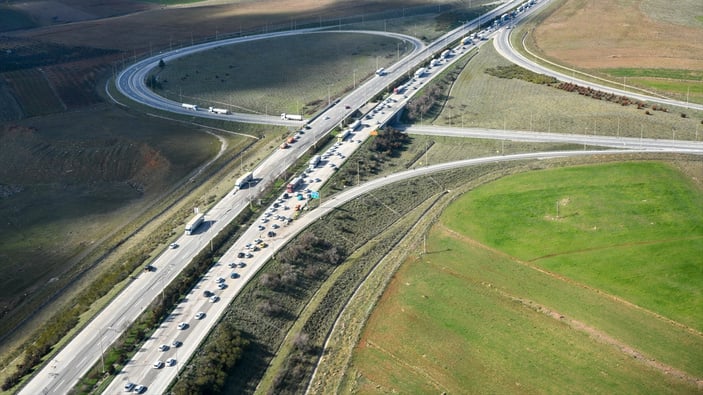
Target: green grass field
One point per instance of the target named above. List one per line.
(474, 315)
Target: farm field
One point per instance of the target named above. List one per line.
(62, 193)
(478, 99)
(641, 43)
(508, 325)
(294, 74)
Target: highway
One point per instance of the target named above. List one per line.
(73, 361)
(695, 147)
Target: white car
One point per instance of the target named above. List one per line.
(214, 299)
(220, 280)
(140, 389)
(173, 245)
(171, 362)
(200, 315)
(221, 285)
(129, 387)
(158, 364)
(164, 347)
(183, 325)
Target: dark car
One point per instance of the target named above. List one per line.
(271, 233)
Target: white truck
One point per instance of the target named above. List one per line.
(420, 72)
(244, 180)
(193, 224)
(190, 106)
(291, 117)
(355, 125)
(446, 53)
(218, 110)
(314, 161)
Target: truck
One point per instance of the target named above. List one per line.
(467, 41)
(290, 188)
(420, 72)
(446, 53)
(435, 62)
(291, 117)
(290, 140)
(398, 90)
(355, 125)
(244, 180)
(193, 224)
(381, 72)
(190, 106)
(218, 110)
(343, 135)
(314, 161)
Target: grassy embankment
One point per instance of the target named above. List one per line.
(506, 324)
(521, 105)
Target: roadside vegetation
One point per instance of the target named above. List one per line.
(521, 319)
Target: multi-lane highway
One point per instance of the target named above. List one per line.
(73, 361)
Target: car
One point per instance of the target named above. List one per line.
(347, 107)
(276, 205)
(140, 389)
(214, 299)
(199, 315)
(183, 325)
(249, 255)
(318, 180)
(264, 220)
(275, 226)
(257, 241)
(158, 364)
(150, 268)
(171, 362)
(220, 280)
(234, 275)
(262, 227)
(242, 264)
(173, 245)
(176, 343)
(129, 386)
(207, 293)
(286, 196)
(164, 347)
(240, 255)
(271, 233)
(221, 285)
(232, 265)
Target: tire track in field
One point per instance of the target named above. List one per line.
(453, 234)
(594, 333)
(630, 244)
(415, 369)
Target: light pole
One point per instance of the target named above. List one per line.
(328, 95)
(354, 78)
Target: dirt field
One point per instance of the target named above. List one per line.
(614, 34)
